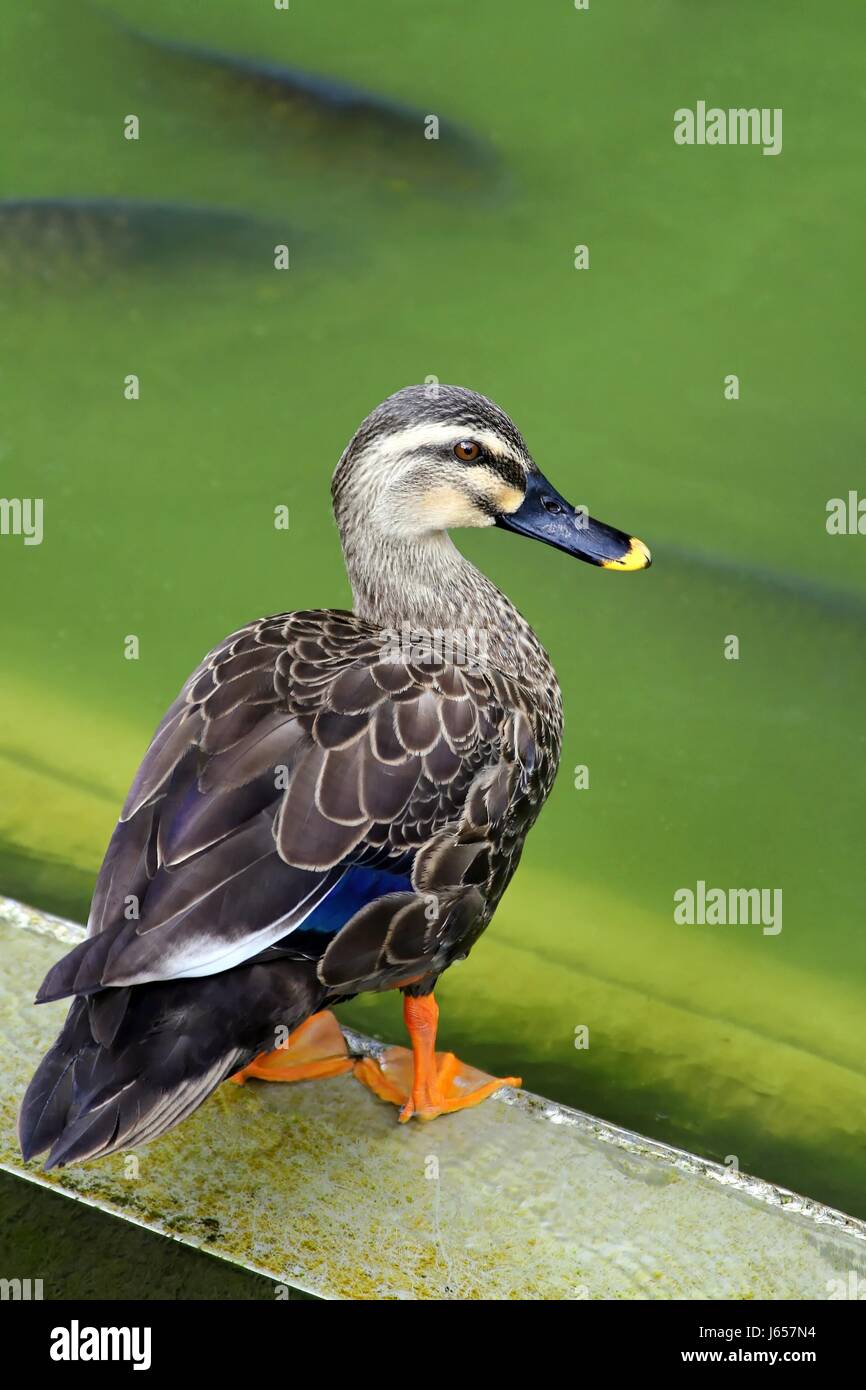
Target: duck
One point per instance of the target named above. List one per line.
(334, 804)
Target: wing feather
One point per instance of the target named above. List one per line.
(291, 753)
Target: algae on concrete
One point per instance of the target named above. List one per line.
(317, 1187)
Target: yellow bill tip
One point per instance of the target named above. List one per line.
(637, 557)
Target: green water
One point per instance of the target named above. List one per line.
(703, 262)
(43, 1235)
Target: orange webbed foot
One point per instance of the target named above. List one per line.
(425, 1082)
(447, 1085)
(316, 1049)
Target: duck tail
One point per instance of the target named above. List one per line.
(131, 1063)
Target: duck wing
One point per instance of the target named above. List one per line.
(300, 784)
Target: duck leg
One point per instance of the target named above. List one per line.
(425, 1082)
(316, 1049)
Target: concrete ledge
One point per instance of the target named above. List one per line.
(317, 1187)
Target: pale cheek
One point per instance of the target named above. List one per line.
(441, 507)
(505, 499)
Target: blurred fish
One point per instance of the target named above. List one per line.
(55, 237)
(399, 135)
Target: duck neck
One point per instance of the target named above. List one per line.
(425, 585)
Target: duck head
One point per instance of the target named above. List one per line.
(433, 458)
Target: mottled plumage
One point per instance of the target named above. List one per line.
(318, 814)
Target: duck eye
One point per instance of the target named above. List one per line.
(466, 450)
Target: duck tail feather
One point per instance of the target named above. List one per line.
(121, 1076)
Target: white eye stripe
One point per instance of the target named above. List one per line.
(416, 438)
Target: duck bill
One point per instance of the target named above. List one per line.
(544, 515)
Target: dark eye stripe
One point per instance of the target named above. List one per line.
(509, 470)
